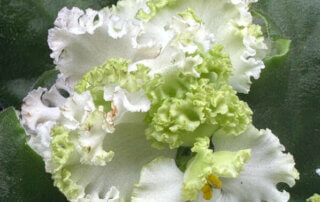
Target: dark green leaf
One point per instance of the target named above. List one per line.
(286, 99)
(24, 51)
(17, 89)
(270, 28)
(183, 156)
(22, 174)
(46, 80)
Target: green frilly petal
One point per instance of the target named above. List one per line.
(61, 150)
(154, 6)
(314, 198)
(190, 14)
(113, 71)
(184, 107)
(216, 64)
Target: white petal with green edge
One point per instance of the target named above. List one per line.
(96, 159)
(81, 40)
(160, 180)
(229, 20)
(131, 152)
(187, 35)
(39, 113)
(268, 166)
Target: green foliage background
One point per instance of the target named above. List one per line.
(285, 98)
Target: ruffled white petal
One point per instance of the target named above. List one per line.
(124, 103)
(108, 152)
(39, 113)
(228, 20)
(113, 195)
(53, 96)
(40, 140)
(186, 35)
(131, 152)
(85, 39)
(160, 180)
(35, 112)
(76, 109)
(268, 166)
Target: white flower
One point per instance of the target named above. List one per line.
(145, 75)
(256, 181)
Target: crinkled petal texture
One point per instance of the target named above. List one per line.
(98, 155)
(81, 40)
(229, 20)
(160, 180)
(186, 35)
(206, 162)
(40, 111)
(314, 198)
(267, 167)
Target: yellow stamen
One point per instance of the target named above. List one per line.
(206, 188)
(213, 183)
(207, 192)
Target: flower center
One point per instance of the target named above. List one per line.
(213, 182)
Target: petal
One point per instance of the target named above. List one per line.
(35, 112)
(131, 153)
(126, 102)
(229, 20)
(95, 155)
(39, 113)
(187, 35)
(81, 40)
(113, 195)
(206, 162)
(76, 109)
(314, 198)
(38, 119)
(54, 96)
(184, 108)
(160, 180)
(268, 166)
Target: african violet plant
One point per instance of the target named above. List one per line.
(146, 106)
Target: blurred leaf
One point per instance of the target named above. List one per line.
(183, 156)
(22, 174)
(46, 80)
(286, 99)
(270, 28)
(278, 52)
(278, 47)
(25, 54)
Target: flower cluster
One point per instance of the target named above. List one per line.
(143, 80)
